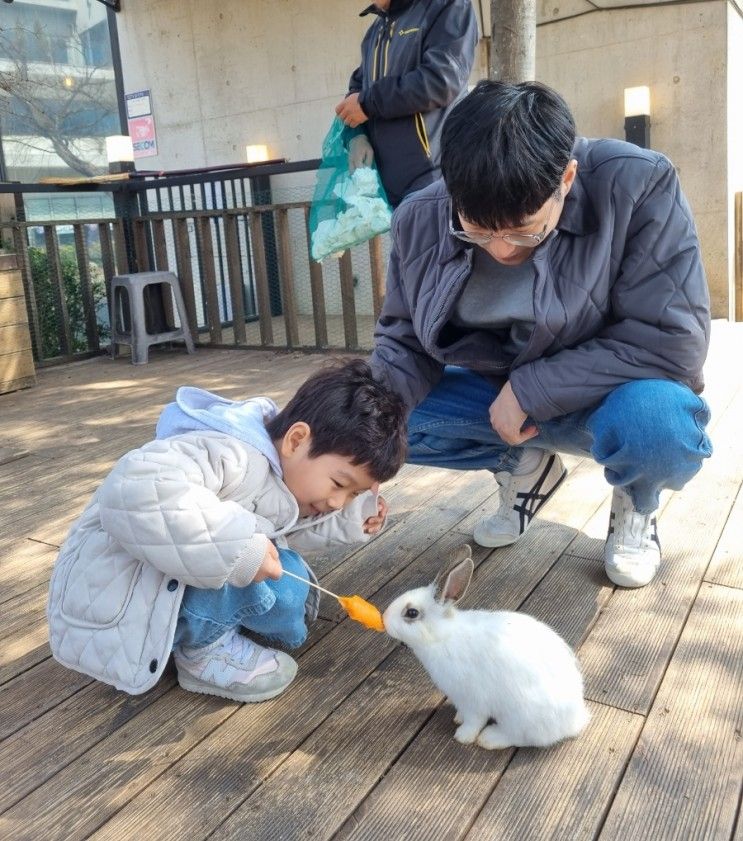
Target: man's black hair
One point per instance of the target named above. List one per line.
(349, 414)
(504, 149)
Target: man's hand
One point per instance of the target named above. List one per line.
(507, 418)
(372, 525)
(360, 152)
(270, 565)
(350, 111)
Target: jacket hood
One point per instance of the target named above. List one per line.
(197, 409)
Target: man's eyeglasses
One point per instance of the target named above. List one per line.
(521, 240)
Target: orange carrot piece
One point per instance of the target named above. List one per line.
(362, 611)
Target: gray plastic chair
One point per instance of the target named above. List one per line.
(137, 336)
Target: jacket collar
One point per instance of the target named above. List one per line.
(396, 6)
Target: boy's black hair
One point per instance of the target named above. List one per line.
(504, 149)
(349, 414)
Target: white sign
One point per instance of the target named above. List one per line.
(138, 104)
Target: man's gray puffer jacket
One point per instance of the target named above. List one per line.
(620, 293)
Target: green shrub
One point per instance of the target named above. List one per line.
(45, 299)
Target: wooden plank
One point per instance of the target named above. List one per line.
(234, 268)
(341, 760)
(35, 692)
(435, 769)
(348, 301)
(160, 248)
(263, 299)
(13, 339)
(25, 567)
(12, 311)
(141, 249)
(317, 290)
(627, 651)
(11, 284)
(109, 268)
(86, 291)
(226, 766)
(209, 279)
(286, 272)
(561, 792)
(684, 778)
(119, 240)
(376, 261)
(53, 741)
(21, 246)
(58, 291)
(726, 566)
(185, 274)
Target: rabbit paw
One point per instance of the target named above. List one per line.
(457, 717)
(467, 733)
(492, 737)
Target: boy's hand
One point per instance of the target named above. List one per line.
(270, 565)
(372, 525)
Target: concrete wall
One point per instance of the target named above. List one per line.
(680, 51)
(228, 73)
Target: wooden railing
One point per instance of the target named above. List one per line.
(235, 295)
(242, 260)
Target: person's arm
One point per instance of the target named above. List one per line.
(343, 527)
(447, 55)
(162, 504)
(660, 313)
(399, 359)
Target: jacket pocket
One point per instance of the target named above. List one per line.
(99, 583)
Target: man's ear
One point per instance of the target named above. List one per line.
(569, 176)
(297, 435)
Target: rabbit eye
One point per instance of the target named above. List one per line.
(411, 613)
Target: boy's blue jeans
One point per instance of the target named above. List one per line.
(647, 435)
(273, 609)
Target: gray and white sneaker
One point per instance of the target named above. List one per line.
(520, 499)
(234, 667)
(632, 549)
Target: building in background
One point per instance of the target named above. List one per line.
(58, 97)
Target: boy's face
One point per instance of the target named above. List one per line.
(322, 484)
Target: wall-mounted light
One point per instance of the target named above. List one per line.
(637, 116)
(257, 153)
(119, 148)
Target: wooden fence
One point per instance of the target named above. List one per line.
(238, 291)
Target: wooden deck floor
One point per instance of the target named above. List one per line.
(360, 746)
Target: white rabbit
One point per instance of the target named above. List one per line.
(495, 666)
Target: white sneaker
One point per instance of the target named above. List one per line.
(520, 499)
(632, 550)
(234, 667)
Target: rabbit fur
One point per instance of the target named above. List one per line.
(512, 680)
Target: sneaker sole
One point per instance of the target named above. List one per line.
(508, 540)
(194, 685)
(622, 580)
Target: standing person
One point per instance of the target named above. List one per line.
(416, 59)
(548, 296)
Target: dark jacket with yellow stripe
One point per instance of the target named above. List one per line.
(415, 62)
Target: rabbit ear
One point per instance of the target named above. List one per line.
(452, 582)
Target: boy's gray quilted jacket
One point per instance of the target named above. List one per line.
(188, 510)
(620, 293)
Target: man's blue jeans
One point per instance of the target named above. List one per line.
(273, 609)
(647, 435)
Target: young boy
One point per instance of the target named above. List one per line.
(177, 549)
